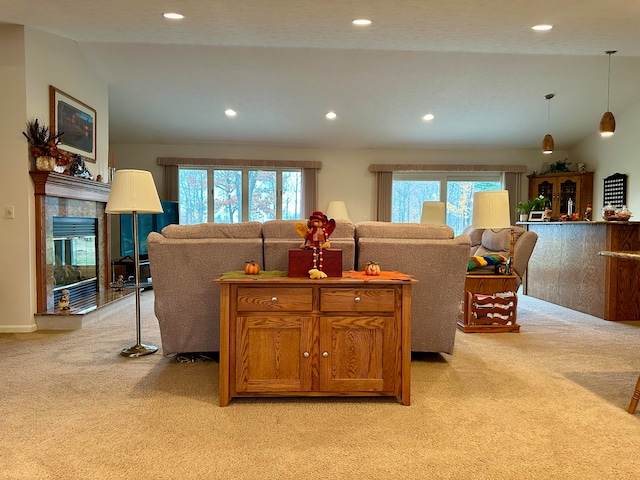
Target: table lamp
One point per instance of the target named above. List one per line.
(491, 211)
(133, 191)
(337, 209)
(434, 212)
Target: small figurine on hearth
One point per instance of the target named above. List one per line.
(120, 283)
(63, 303)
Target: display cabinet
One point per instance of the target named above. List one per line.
(559, 188)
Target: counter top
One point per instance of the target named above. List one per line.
(580, 222)
(627, 255)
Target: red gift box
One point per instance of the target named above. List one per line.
(301, 261)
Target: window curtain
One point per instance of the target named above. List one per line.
(513, 184)
(384, 190)
(309, 191)
(171, 182)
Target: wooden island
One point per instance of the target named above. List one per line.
(566, 268)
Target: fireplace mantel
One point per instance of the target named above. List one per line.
(56, 188)
(59, 185)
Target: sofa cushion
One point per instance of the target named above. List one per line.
(406, 231)
(214, 230)
(498, 240)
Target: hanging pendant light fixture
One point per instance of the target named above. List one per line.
(608, 122)
(547, 141)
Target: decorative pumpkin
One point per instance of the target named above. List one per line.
(252, 268)
(372, 269)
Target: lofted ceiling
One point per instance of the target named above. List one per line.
(476, 65)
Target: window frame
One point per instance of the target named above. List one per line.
(244, 201)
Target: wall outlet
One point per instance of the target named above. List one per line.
(9, 212)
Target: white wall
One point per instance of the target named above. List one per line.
(30, 61)
(16, 270)
(344, 174)
(617, 154)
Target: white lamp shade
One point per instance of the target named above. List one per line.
(491, 209)
(337, 209)
(434, 212)
(133, 191)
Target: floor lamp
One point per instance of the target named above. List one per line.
(491, 210)
(133, 191)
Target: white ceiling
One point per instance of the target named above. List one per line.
(475, 64)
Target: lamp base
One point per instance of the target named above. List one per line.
(139, 350)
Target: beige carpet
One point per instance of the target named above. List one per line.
(546, 403)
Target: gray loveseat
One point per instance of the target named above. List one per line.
(184, 259)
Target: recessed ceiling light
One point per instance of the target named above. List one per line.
(362, 22)
(331, 115)
(428, 117)
(542, 28)
(230, 112)
(173, 16)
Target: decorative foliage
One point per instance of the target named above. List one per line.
(560, 166)
(44, 143)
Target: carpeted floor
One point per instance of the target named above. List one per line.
(546, 403)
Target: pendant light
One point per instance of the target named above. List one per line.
(547, 141)
(608, 122)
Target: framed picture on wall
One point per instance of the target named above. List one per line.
(76, 120)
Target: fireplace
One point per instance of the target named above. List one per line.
(76, 255)
(72, 240)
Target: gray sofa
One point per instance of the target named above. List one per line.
(184, 259)
(437, 259)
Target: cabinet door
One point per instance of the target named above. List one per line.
(275, 353)
(546, 188)
(567, 188)
(359, 354)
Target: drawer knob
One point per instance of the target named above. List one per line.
(305, 354)
(325, 354)
(274, 299)
(357, 299)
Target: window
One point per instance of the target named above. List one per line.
(411, 189)
(233, 195)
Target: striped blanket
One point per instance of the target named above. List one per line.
(492, 259)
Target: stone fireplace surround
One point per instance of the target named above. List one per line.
(59, 195)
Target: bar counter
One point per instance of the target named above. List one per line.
(566, 267)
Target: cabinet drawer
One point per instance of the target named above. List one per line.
(357, 300)
(273, 299)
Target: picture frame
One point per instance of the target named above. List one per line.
(76, 120)
(536, 216)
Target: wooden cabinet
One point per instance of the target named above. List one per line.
(295, 336)
(489, 285)
(560, 187)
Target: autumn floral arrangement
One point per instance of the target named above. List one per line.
(44, 147)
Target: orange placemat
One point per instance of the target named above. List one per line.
(383, 275)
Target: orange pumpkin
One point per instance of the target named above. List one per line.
(372, 269)
(252, 268)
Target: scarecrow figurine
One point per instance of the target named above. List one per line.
(317, 230)
(316, 234)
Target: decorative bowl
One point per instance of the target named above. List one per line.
(617, 217)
